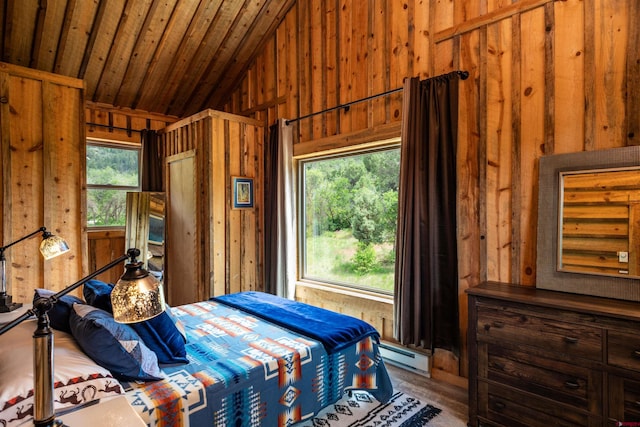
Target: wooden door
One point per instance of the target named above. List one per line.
(183, 283)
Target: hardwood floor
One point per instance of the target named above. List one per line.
(453, 400)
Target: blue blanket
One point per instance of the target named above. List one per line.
(334, 330)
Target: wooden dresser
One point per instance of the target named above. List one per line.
(546, 358)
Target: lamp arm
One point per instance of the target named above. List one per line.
(43, 305)
(16, 321)
(84, 280)
(3, 248)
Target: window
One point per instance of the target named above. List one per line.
(112, 171)
(349, 208)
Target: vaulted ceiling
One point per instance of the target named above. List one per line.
(173, 57)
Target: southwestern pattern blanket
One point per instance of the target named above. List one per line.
(244, 370)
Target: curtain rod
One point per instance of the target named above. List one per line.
(464, 75)
(114, 127)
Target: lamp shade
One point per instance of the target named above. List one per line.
(137, 296)
(52, 246)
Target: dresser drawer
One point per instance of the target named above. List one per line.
(624, 400)
(567, 383)
(623, 350)
(563, 339)
(513, 408)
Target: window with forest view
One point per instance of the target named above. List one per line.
(112, 171)
(350, 209)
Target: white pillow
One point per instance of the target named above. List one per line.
(77, 378)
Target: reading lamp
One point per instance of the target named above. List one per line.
(136, 297)
(51, 247)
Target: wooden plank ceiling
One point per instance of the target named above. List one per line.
(174, 57)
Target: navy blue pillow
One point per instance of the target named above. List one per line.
(114, 346)
(163, 337)
(59, 313)
(160, 334)
(98, 294)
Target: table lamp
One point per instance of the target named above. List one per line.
(51, 247)
(136, 297)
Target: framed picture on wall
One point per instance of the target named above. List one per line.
(242, 188)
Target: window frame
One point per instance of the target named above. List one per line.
(300, 162)
(121, 145)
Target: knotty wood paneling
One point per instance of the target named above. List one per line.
(569, 66)
(633, 76)
(545, 77)
(170, 57)
(104, 247)
(471, 170)
(610, 51)
(499, 147)
(42, 154)
(76, 31)
(532, 114)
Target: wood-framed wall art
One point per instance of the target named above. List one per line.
(242, 190)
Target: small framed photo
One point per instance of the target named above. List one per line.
(242, 188)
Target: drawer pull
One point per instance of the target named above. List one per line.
(499, 366)
(498, 325)
(635, 354)
(572, 385)
(571, 340)
(500, 406)
(637, 403)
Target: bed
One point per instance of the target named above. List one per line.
(251, 358)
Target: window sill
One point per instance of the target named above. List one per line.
(350, 292)
(105, 233)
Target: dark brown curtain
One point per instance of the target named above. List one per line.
(270, 211)
(152, 161)
(426, 283)
(279, 213)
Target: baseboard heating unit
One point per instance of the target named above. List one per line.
(407, 359)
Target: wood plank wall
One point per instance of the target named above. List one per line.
(104, 122)
(545, 77)
(104, 247)
(42, 154)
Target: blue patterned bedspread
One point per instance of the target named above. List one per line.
(244, 371)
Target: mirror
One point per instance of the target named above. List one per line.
(597, 233)
(589, 223)
(145, 229)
